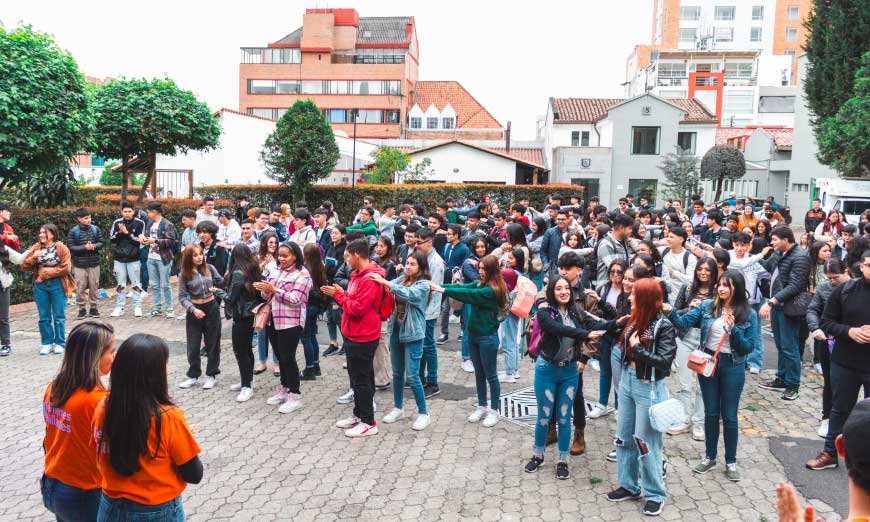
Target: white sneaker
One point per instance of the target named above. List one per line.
(57, 349)
(823, 429)
(169, 314)
(236, 387)
(453, 319)
(421, 422)
(362, 430)
(755, 371)
(293, 403)
(245, 394)
(818, 368)
(491, 419)
(477, 414)
(595, 365)
(698, 432)
(137, 312)
(347, 398)
(467, 366)
(209, 382)
(46, 349)
(117, 312)
(346, 424)
(394, 415)
(278, 398)
(189, 382)
(597, 411)
(506, 378)
(679, 429)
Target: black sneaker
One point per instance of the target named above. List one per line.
(5, 350)
(82, 313)
(94, 312)
(383, 387)
(317, 372)
(774, 385)
(620, 494)
(790, 394)
(534, 463)
(432, 390)
(331, 350)
(308, 375)
(653, 508)
(441, 339)
(562, 471)
(340, 351)
(664, 468)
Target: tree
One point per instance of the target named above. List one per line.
(141, 118)
(844, 138)
(417, 173)
(44, 114)
(722, 162)
(682, 179)
(113, 179)
(48, 189)
(302, 147)
(388, 161)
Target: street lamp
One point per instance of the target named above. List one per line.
(355, 115)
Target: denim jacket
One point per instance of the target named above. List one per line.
(415, 297)
(741, 337)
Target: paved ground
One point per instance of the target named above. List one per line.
(261, 465)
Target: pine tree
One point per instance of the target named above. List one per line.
(682, 179)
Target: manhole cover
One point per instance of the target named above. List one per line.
(520, 407)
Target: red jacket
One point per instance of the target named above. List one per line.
(360, 321)
(5, 229)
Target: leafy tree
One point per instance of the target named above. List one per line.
(682, 179)
(49, 189)
(418, 172)
(44, 114)
(722, 162)
(388, 161)
(844, 138)
(301, 149)
(141, 118)
(114, 179)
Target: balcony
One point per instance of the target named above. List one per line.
(270, 55)
(741, 81)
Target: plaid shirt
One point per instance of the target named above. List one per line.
(290, 301)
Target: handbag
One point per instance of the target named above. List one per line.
(702, 362)
(798, 306)
(666, 414)
(261, 316)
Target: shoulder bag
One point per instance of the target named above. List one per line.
(702, 362)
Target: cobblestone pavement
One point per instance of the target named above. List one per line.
(261, 465)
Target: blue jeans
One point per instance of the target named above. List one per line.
(309, 337)
(51, 305)
(636, 469)
(68, 503)
(484, 357)
(466, 320)
(405, 358)
(430, 355)
(143, 267)
(616, 369)
(721, 394)
(507, 334)
(263, 347)
(123, 510)
(554, 386)
(333, 323)
(125, 272)
(785, 335)
(159, 274)
(756, 358)
(606, 374)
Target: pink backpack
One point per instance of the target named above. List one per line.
(524, 297)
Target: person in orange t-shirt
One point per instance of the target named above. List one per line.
(71, 482)
(146, 452)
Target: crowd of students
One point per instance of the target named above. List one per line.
(637, 293)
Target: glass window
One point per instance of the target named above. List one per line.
(724, 34)
(645, 140)
(312, 87)
(789, 52)
(672, 70)
(686, 141)
(286, 87)
(591, 187)
(755, 34)
(261, 86)
(688, 34)
(415, 122)
(794, 12)
(758, 12)
(279, 113)
(448, 123)
(739, 102)
(393, 117)
(584, 139)
(432, 123)
(368, 87)
(643, 188)
(724, 12)
(265, 55)
(738, 70)
(371, 116)
(854, 206)
(336, 116)
(690, 13)
(776, 104)
(791, 34)
(575, 138)
(338, 86)
(393, 87)
(263, 113)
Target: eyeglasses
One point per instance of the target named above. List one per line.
(616, 272)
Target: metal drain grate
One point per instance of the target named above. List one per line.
(520, 407)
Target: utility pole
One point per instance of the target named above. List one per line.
(355, 113)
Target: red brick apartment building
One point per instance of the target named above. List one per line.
(347, 63)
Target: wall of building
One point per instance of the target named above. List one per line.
(472, 165)
(579, 165)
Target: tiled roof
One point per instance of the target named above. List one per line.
(372, 30)
(530, 156)
(470, 114)
(782, 136)
(589, 110)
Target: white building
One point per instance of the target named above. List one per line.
(455, 161)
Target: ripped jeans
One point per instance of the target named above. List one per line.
(638, 445)
(554, 385)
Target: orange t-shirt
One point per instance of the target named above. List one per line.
(158, 480)
(69, 456)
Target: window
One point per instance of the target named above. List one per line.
(393, 87)
(645, 140)
(783, 104)
(312, 87)
(261, 86)
(800, 187)
(793, 12)
(265, 55)
(758, 12)
(338, 87)
(643, 188)
(724, 12)
(791, 34)
(575, 138)
(855, 207)
(415, 122)
(738, 70)
(432, 123)
(448, 123)
(271, 114)
(368, 87)
(689, 34)
(686, 141)
(739, 102)
(584, 139)
(336, 116)
(368, 116)
(591, 187)
(789, 52)
(393, 117)
(724, 34)
(755, 34)
(672, 70)
(286, 87)
(98, 161)
(690, 13)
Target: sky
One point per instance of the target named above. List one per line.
(511, 56)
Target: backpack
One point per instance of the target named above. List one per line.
(387, 305)
(77, 231)
(534, 345)
(685, 256)
(524, 297)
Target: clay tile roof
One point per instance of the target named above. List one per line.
(697, 112)
(386, 29)
(781, 136)
(589, 110)
(470, 114)
(530, 156)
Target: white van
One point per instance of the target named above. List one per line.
(851, 196)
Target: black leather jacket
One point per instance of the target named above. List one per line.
(660, 356)
(553, 330)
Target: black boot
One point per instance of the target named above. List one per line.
(82, 313)
(94, 312)
(308, 375)
(317, 370)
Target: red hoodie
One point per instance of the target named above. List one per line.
(360, 321)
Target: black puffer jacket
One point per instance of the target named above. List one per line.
(659, 356)
(794, 274)
(77, 239)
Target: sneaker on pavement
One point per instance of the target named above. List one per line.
(209, 383)
(597, 411)
(156, 313)
(823, 461)
(5, 350)
(774, 385)
(731, 472)
(595, 365)
(421, 422)
(818, 368)
(362, 430)
(245, 394)
(611, 457)
(442, 339)
(57, 349)
(346, 398)
(94, 312)
(82, 313)
(791, 394)
(394, 415)
(188, 383)
(331, 350)
(534, 464)
(137, 312)
(562, 471)
(477, 414)
(698, 432)
(347, 423)
(341, 351)
(823, 429)
(680, 429)
(431, 390)
(279, 397)
(491, 419)
(704, 466)
(506, 378)
(653, 508)
(169, 314)
(621, 494)
(117, 312)
(754, 371)
(236, 387)
(293, 403)
(467, 366)
(46, 349)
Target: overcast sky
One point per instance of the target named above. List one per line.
(511, 56)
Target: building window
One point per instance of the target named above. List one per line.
(739, 102)
(270, 114)
(369, 116)
(339, 87)
(644, 188)
(789, 52)
(591, 187)
(794, 12)
(800, 187)
(393, 117)
(686, 141)
(448, 123)
(415, 122)
(688, 34)
(261, 86)
(584, 139)
(432, 123)
(780, 104)
(724, 34)
(393, 87)
(266, 55)
(724, 12)
(672, 70)
(755, 34)
(575, 138)
(690, 13)
(758, 12)
(738, 70)
(645, 140)
(336, 116)
(312, 87)
(791, 34)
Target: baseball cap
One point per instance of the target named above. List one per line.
(225, 213)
